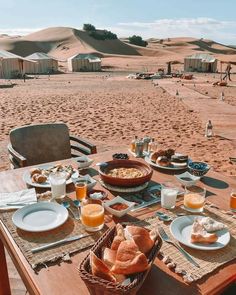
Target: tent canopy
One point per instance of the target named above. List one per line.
(90, 57)
(6, 54)
(204, 57)
(39, 55)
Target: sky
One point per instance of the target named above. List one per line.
(211, 19)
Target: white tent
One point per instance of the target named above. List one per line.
(84, 62)
(44, 64)
(12, 65)
(200, 62)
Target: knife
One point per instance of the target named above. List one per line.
(60, 242)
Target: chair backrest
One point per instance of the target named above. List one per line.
(42, 143)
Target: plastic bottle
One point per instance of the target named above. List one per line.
(209, 129)
(133, 144)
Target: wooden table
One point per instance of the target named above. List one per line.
(64, 279)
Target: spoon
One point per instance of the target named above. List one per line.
(67, 206)
(162, 216)
(102, 164)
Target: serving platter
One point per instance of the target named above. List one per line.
(171, 167)
(27, 178)
(181, 228)
(40, 217)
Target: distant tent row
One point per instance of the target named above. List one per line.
(200, 62)
(84, 62)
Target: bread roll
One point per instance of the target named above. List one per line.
(109, 257)
(141, 237)
(118, 238)
(99, 268)
(163, 161)
(34, 171)
(129, 259)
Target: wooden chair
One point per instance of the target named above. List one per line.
(36, 144)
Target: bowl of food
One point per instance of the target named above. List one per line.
(125, 173)
(120, 156)
(187, 179)
(83, 162)
(118, 206)
(97, 194)
(198, 168)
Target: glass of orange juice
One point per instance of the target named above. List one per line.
(194, 198)
(233, 200)
(92, 217)
(81, 190)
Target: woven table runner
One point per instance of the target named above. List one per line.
(208, 260)
(28, 240)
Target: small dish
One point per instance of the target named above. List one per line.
(187, 179)
(83, 162)
(116, 200)
(91, 182)
(97, 194)
(198, 168)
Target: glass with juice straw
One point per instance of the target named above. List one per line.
(194, 198)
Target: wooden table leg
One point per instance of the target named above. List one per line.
(4, 279)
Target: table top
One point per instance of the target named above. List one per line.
(160, 280)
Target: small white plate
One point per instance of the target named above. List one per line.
(40, 217)
(187, 179)
(86, 162)
(181, 228)
(27, 178)
(91, 182)
(118, 199)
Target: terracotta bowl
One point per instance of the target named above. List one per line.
(125, 182)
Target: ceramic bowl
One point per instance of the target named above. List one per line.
(125, 182)
(91, 182)
(198, 168)
(117, 213)
(83, 162)
(187, 179)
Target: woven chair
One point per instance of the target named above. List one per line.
(36, 144)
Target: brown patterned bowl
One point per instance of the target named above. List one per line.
(125, 182)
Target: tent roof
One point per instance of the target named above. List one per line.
(205, 57)
(39, 55)
(6, 54)
(90, 57)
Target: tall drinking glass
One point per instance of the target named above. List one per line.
(168, 195)
(92, 217)
(58, 184)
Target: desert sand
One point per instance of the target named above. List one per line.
(109, 109)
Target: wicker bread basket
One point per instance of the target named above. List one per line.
(98, 286)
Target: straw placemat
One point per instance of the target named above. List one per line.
(208, 260)
(28, 240)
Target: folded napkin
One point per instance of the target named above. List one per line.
(16, 200)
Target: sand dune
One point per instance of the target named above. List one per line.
(64, 42)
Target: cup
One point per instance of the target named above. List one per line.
(233, 200)
(194, 198)
(168, 195)
(81, 190)
(92, 217)
(58, 184)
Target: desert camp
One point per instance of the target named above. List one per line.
(44, 64)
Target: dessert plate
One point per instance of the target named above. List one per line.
(181, 228)
(27, 178)
(170, 167)
(40, 217)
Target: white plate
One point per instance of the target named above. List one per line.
(172, 167)
(87, 162)
(27, 178)
(40, 217)
(181, 229)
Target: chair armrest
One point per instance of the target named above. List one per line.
(16, 156)
(84, 142)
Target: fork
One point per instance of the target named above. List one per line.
(166, 238)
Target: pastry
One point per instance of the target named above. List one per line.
(200, 235)
(100, 269)
(118, 238)
(163, 161)
(179, 159)
(211, 225)
(141, 237)
(34, 171)
(129, 259)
